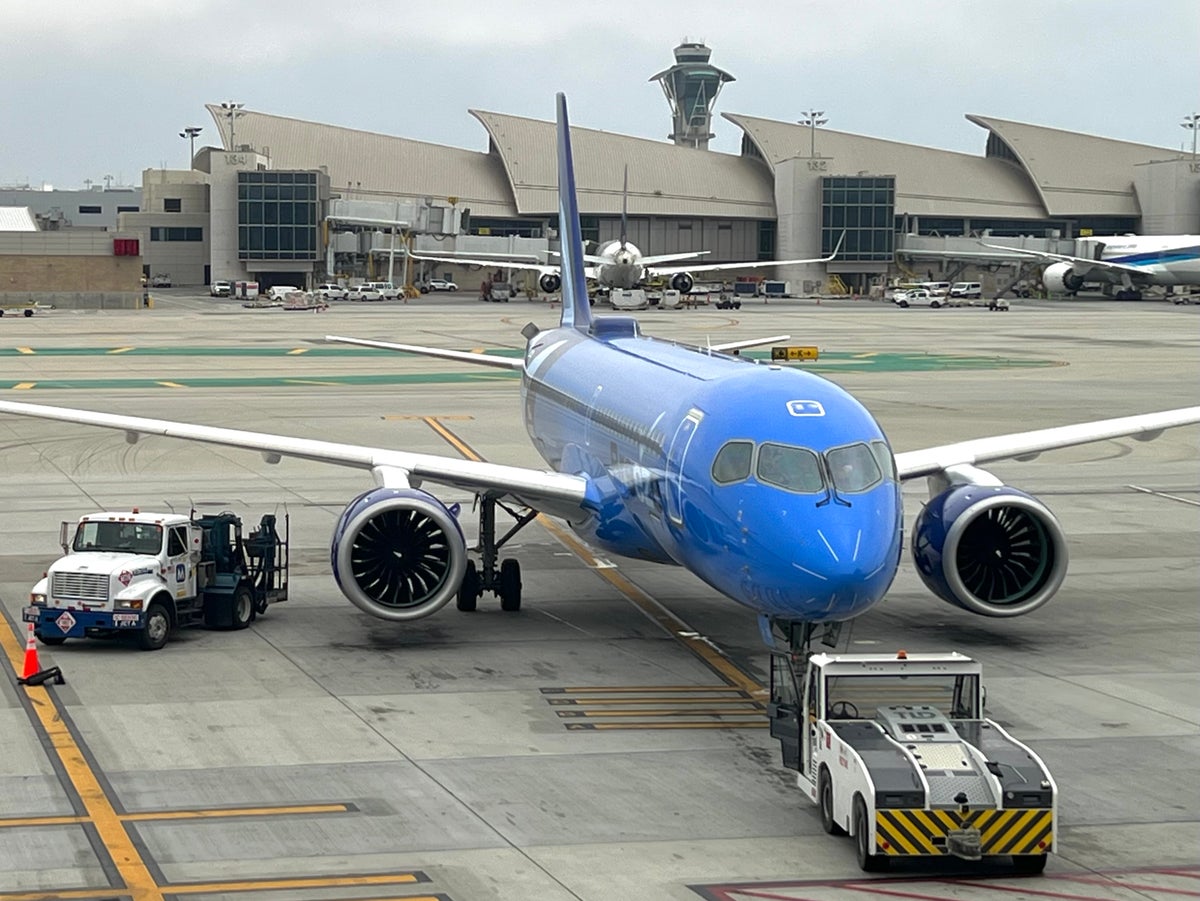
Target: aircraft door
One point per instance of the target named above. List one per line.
(676, 455)
(783, 710)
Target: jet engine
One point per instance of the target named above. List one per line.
(549, 282)
(398, 553)
(995, 551)
(1060, 278)
(682, 282)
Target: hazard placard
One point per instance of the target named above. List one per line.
(66, 622)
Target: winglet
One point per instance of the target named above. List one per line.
(576, 313)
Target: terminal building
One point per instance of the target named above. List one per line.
(288, 201)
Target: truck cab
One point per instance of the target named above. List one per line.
(129, 572)
(895, 751)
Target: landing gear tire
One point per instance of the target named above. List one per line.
(825, 793)
(1029, 864)
(867, 862)
(509, 587)
(470, 589)
(157, 628)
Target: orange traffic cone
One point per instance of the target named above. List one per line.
(32, 667)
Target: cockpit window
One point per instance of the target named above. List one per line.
(885, 459)
(853, 468)
(791, 468)
(732, 463)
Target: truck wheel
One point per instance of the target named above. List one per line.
(468, 591)
(825, 795)
(904, 304)
(1029, 864)
(241, 612)
(50, 642)
(510, 586)
(867, 862)
(157, 628)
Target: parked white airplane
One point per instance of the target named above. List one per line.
(619, 265)
(1131, 261)
(773, 485)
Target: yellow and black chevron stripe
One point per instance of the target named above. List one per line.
(909, 832)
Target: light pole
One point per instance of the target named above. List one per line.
(190, 133)
(232, 111)
(1192, 121)
(812, 118)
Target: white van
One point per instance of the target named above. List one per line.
(279, 292)
(966, 290)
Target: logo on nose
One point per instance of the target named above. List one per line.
(805, 408)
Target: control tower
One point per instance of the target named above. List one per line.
(691, 86)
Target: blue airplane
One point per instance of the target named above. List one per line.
(773, 485)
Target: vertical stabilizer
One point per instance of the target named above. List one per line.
(576, 313)
(625, 209)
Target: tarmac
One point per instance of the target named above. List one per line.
(608, 741)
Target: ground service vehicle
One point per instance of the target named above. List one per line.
(438, 284)
(331, 291)
(896, 752)
(917, 297)
(969, 290)
(149, 573)
(220, 289)
(364, 292)
(161, 280)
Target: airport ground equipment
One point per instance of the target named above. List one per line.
(149, 573)
(896, 752)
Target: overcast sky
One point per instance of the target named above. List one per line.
(96, 88)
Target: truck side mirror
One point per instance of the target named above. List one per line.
(63, 536)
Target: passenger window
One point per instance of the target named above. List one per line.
(732, 463)
(790, 468)
(853, 468)
(176, 544)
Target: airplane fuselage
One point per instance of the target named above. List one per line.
(1164, 259)
(622, 268)
(773, 485)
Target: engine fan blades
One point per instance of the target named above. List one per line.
(1005, 555)
(400, 558)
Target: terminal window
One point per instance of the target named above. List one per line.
(172, 205)
(89, 209)
(277, 215)
(863, 209)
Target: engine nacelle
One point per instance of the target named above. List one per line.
(995, 551)
(398, 553)
(549, 282)
(1060, 278)
(682, 282)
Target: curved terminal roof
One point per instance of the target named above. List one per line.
(1028, 172)
(382, 163)
(928, 181)
(664, 179)
(1074, 173)
(17, 219)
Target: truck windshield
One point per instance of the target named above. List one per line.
(860, 697)
(125, 537)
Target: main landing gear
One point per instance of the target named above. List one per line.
(504, 580)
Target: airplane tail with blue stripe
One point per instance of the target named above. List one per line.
(576, 311)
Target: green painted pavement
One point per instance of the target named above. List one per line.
(829, 362)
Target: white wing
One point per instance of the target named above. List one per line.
(1027, 445)
(760, 264)
(1083, 263)
(556, 493)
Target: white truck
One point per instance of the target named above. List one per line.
(146, 574)
(896, 752)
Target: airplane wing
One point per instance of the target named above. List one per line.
(463, 356)
(1028, 445)
(668, 257)
(760, 264)
(753, 342)
(1136, 272)
(559, 494)
(501, 263)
